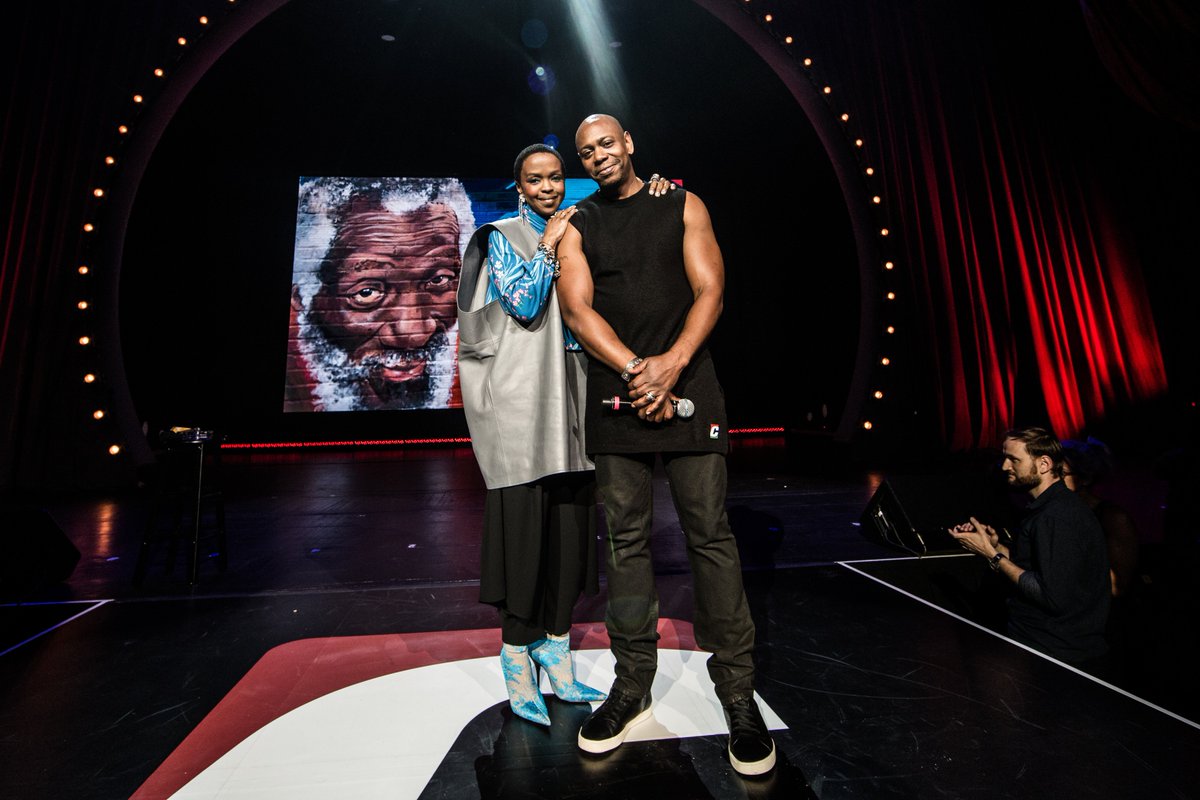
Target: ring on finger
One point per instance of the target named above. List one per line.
(650, 396)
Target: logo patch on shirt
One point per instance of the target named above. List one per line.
(714, 431)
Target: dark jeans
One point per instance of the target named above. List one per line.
(721, 618)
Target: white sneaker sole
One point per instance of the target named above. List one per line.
(597, 746)
(753, 767)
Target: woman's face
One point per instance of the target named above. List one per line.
(542, 183)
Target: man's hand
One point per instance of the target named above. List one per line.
(650, 386)
(660, 186)
(977, 537)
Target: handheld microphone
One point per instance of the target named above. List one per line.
(684, 408)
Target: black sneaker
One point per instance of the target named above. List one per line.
(609, 724)
(751, 749)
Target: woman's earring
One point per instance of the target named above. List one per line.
(522, 207)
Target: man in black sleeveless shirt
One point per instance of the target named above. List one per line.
(642, 286)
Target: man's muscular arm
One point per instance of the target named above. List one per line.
(575, 301)
(706, 273)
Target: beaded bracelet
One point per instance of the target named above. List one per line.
(551, 259)
(633, 362)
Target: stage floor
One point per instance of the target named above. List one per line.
(343, 653)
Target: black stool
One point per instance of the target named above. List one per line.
(185, 482)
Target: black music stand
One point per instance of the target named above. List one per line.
(187, 479)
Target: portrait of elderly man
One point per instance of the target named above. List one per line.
(373, 319)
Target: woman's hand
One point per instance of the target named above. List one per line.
(660, 185)
(556, 226)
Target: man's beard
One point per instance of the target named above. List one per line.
(343, 384)
(1023, 482)
(417, 392)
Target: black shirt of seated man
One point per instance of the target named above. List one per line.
(1060, 540)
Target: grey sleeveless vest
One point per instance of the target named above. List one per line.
(522, 391)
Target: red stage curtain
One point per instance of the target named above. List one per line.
(1025, 293)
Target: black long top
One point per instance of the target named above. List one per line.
(634, 247)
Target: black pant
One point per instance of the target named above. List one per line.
(721, 616)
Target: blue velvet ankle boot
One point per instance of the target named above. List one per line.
(524, 696)
(553, 654)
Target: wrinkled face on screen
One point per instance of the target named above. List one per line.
(374, 281)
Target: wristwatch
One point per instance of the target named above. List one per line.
(994, 561)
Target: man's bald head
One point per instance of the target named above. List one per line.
(610, 123)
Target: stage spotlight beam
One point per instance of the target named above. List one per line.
(591, 28)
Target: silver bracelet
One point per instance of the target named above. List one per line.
(551, 259)
(633, 362)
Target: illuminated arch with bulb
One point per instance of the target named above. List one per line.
(197, 52)
(778, 50)
(150, 113)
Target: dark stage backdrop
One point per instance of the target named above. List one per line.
(1036, 165)
(315, 90)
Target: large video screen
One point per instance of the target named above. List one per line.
(374, 280)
